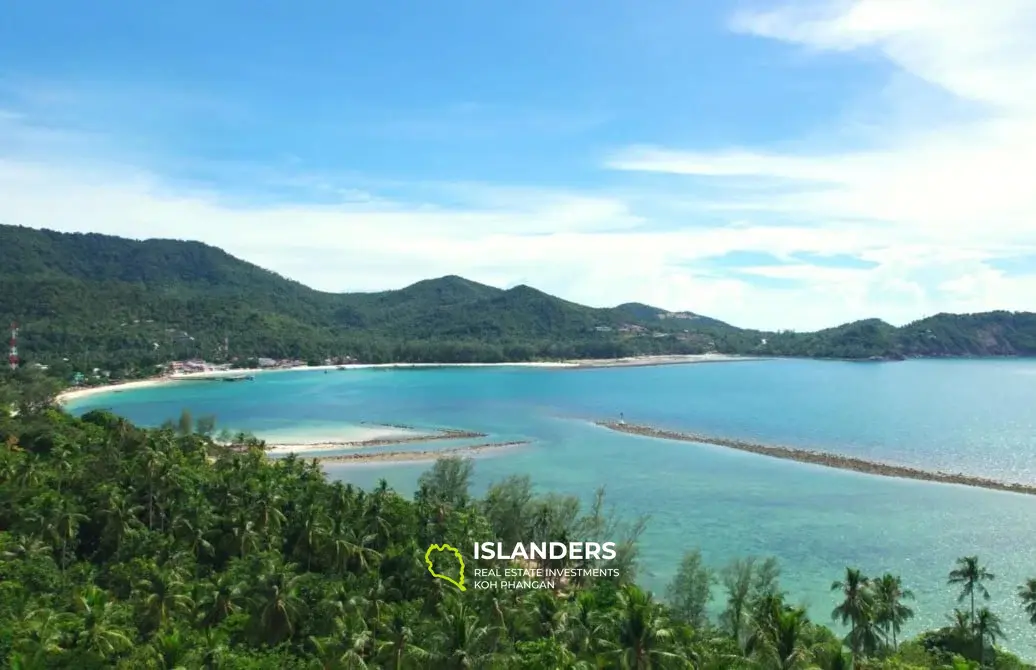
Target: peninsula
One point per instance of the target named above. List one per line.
(825, 459)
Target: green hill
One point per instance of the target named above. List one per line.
(117, 303)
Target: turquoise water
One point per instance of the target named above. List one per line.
(977, 417)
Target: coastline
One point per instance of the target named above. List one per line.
(421, 456)
(825, 459)
(635, 361)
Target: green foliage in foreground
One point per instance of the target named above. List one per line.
(131, 548)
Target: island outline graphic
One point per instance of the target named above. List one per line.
(460, 559)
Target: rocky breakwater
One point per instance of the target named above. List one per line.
(825, 459)
(426, 455)
(444, 434)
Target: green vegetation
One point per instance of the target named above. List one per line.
(139, 548)
(125, 306)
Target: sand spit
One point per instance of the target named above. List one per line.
(645, 361)
(389, 440)
(427, 455)
(823, 458)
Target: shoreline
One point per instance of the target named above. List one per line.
(421, 456)
(663, 359)
(385, 441)
(824, 459)
(72, 394)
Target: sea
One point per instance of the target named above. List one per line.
(973, 416)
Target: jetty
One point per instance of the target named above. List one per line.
(822, 458)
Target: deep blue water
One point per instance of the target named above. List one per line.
(975, 416)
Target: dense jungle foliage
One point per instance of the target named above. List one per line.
(123, 547)
(126, 306)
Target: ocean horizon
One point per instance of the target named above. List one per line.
(976, 417)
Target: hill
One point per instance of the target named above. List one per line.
(111, 302)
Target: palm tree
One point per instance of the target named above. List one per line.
(856, 608)
(278, 604)
(987, 628)
(779, 639)
(641, 632)
(463, 640)
(219, 599)
(163, 595)
(399, 646)
(890, 612)
(1027, 592)
(45, 635)
(969, 575)
(98, 634)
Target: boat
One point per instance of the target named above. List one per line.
(238, 378)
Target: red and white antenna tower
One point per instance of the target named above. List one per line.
(12, 356)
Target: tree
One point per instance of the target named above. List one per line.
(1027, 593)
(970, 575)
(890, 612)
(691, 589)
(856, 609)
(988, 628)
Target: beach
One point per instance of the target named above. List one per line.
(635, 361)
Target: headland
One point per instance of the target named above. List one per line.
(825, 459)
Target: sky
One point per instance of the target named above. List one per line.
(780, 165)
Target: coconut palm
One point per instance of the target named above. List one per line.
(856, 609)
(163, 594)
(969, 575)
(1027, 592)
(988, 628)
(464, 642)
(218, 599)
(779, 641)
(99, 635)
(641, 633)
(890, 612)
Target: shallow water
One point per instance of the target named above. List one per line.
(976, 417)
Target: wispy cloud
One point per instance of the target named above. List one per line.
(922, 214)
(934, 192)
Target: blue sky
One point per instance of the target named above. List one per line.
(774, 164)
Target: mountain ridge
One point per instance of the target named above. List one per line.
(118, 302)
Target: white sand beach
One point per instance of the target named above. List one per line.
(633, 361)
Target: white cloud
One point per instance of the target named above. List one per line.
(931, 200)
(931, 204)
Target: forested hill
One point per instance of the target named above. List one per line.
(114, 302)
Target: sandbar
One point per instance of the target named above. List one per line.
(417, 456)
(825, 459)
(385, 436)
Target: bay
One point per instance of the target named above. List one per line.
(971, 416)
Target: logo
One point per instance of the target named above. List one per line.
(460, 559)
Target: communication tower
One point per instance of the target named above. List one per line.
(12, 355)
